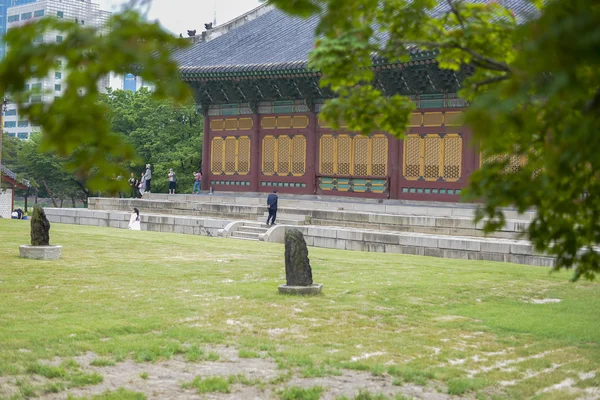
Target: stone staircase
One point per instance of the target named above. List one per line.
(250, 231)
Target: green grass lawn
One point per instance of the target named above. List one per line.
(470, 328)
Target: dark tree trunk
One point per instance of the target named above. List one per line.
(49, 192)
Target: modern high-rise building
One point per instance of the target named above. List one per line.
(4, 4)
(83, 12)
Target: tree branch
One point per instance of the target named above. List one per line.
(487, 62)
(456, 13)
(495, 79)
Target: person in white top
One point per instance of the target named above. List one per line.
(134, 221)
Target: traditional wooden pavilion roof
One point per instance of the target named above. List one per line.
(266, 59)
(11, 178)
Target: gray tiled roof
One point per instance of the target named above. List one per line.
(278, 41)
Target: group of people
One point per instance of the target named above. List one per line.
(143, 185)
(18, 214)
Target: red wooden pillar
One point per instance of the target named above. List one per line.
(255, 154)
(394, 160)
(206, 174)
(312, 152)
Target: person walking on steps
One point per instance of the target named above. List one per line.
(134, 221)
(172, 181)
(148, 177)
(272, 206)
(197, 181)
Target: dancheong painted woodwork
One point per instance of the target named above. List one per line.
(261, 104)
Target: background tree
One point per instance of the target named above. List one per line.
(534, 94)
(49, 173)
(162, 133)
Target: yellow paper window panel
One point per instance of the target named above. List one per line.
(432, 157)
(231, 124)
(354, 155)
(285, 122)
(230, 155)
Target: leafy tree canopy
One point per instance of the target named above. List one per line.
(534, 95)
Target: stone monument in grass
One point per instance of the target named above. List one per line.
(298, 273)
(40, 248)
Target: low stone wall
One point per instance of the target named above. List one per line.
(486, 249)
(149, 222)
(490, 249)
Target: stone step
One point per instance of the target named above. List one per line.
(283, 221)
(335, 203)
(245, 235)
(252, 229)
(258, 224)
(299, 216)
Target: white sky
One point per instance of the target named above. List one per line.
(180, 15)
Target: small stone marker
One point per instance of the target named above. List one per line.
(298, 273)
(40, 248)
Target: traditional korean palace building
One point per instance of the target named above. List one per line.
(262, 128)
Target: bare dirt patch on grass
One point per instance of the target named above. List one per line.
(264, 380)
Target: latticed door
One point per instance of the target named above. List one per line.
(433, 157)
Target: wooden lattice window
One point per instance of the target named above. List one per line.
(515, 162)
(432, 156)
(452, 157)
(298, 155)
(361, 155)
(380, 155)
(412, 157)
(327, 154)
(354, 155)
(269, 143)
(243, 155)
(230, 155)
(283, 155)
(216, 158)
(344, 154)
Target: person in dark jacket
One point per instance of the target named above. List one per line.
(272, 206)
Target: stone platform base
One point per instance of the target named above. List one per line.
(315, 288)
(41, 252)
